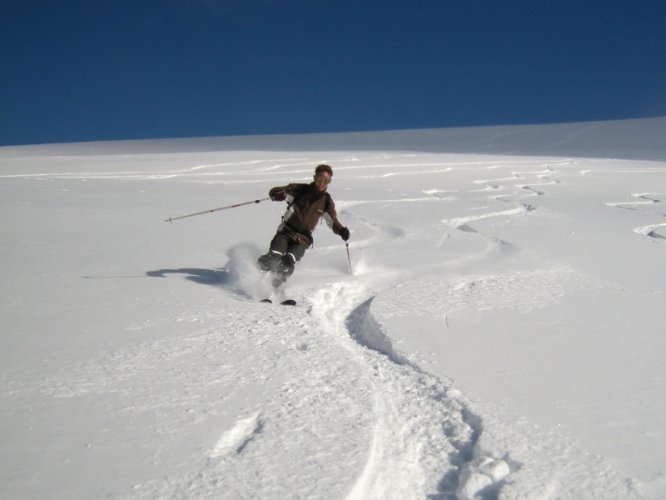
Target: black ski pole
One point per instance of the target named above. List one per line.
(349, 259)
(171, 219)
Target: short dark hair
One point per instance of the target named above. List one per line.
(324, 168)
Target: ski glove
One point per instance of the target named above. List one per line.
(279, 196)
(344, 233)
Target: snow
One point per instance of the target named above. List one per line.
(501, 335)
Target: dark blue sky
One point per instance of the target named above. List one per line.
(130, 69)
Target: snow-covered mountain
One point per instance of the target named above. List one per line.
(500, 334)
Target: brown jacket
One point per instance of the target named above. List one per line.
(307, 206)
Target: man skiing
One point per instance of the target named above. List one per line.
(307, 204)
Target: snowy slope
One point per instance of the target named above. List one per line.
(501, 334)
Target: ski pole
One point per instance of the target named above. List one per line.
(349, 259)
(171, 219)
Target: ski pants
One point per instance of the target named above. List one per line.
(284, 245)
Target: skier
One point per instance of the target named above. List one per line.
(307, 203)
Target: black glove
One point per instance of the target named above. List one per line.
(278, 196)
(344, 233)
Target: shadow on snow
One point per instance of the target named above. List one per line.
(234, 276)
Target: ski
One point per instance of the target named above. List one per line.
(288, 302)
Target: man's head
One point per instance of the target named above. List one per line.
(322, 176)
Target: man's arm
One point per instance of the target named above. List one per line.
(280, 193)
(331, 218)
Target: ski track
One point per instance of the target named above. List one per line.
(513, 190)
(648, 204)
(423, 434)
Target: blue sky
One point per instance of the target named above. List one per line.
(120, 69)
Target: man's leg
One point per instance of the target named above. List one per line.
(285, 267)
(278, 248)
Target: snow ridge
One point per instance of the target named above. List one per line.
(366, 331)
(236, 438)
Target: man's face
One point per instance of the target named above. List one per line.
(322, 181)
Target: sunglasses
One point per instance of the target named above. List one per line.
(320, 179)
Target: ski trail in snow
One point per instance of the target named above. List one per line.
(463, 222)
(249, 171)
(424, 437)
(514, 188)
(653, 231)
(649, 204)
(640, 200)
(366, 331)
